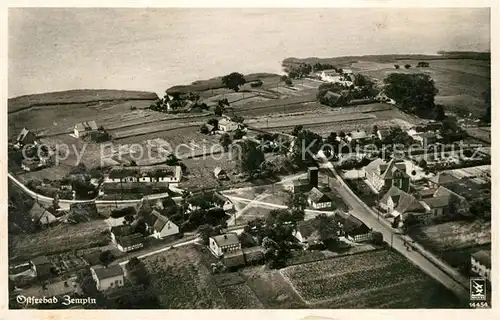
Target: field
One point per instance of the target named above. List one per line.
(184, 281)
(460, 82)
(377, 279)
(57, 239)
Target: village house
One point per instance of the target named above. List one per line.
(442, 178)
(298, 186)
(226, 125)
(108, 277)
(380, 173)
(83, 129)
(332, 97)
(41, 266)
(33, 164)
(436, 206)
(126, 239)
(224, 244)
(159, 226)
(223, 202)
(357, 135)
(26, 137)
(42, 216)
(220, 174)
(426, 138)
(353, 228)
(318, 199)
(400, 204)
(480, 263)
(308, 234)
(160, 173)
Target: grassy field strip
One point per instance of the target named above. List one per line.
(240, 296)
(285, 123)
(148, 130)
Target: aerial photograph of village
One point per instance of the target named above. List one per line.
(323, 158)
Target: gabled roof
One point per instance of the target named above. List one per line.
(226, 239)
(309, 228)
(37, 211)
(437, 202)
(122, 230)
(219, 170)
(394, 193)
(209, 127)
(354, 226)
(25, 133)
(375, 165)
(332, 95)
(443, 178)
(111, 271)
(86, 126)
(316, 196)
(40, 260)
(358, 134)
(160, 223)
(408, 203)
(483, 257)
(130, 240)
(392, 167)
(219, 198)
(233, 259)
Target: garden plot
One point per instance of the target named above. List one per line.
(335, 282)
(240, 297)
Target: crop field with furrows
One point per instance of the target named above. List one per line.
(366, 278)
(240, 297)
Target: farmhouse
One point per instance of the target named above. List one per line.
(223, 202)
(436, 206)
(226, 125)
(108, 277)
(480, 262)
(41, 216)
(401, 204)
(224, 244)
(41, 266)
(426, 138)
(30, 165)
(354, 229)
(220, 173)
(329, 75)
(357, 135)
(159, 226)
(82, 129)
(380, 173)
(160, 173)
(307, 232)
(26, 137)
(126, 239)
(318, 199)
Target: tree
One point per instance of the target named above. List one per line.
(218, 110)
(396, 66)
(288, 82)
(297, 129)
(407, 66)
(297, 201)
(238, 134)
(213, 122)
(327, 227)
(225, 141)
(204, 129)
(172, 160)
(377, 238)
(233, 81)
(205, 231)
(105, 257)
(251, 157)
(440, 115)
(256, 84)
(414, 92)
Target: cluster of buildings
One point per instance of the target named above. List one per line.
(427, 200)
(316, 198)
(224, 125)
(344, 78)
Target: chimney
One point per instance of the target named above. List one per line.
(313, 176)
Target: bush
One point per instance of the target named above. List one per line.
(133, 108)
(407, 66)
(288, 82)
(256, 84)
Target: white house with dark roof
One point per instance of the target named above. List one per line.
(126, 239)
(82, 129)
(318, 200)
(380, 173)
(108, 277)
(159, 173)
(227, 125)
(224, 244)
(160, 226)
(480, 262)
(26, 137)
